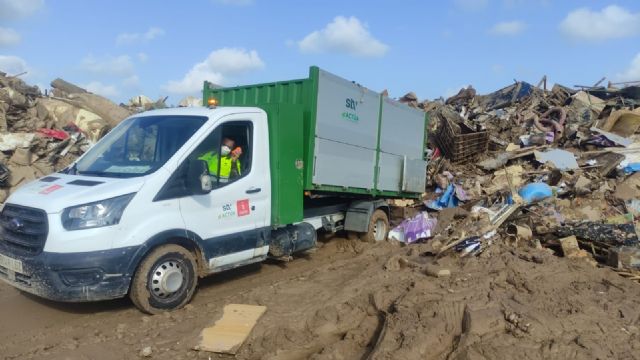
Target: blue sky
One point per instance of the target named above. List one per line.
(124, 48)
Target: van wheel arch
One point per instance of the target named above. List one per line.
(194, 248)
(159, 240)
(362, 216)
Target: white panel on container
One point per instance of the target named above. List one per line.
(414, 175)
(390, 176)
(343, 165)
(402, 130)
(346, 112)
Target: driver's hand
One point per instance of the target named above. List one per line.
(235, 153)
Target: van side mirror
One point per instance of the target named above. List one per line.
(198, 178)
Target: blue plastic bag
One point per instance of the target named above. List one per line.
(535, 192)
(631, 168)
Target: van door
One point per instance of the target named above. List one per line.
(233, 219)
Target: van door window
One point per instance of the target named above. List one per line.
(228, 153)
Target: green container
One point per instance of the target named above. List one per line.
(331, 136)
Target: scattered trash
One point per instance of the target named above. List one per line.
(561, 159)
(468, 246)
(411, 230)
(190, 101)
(624, 123)
(146, 352)
(631, 168)
(4, 175)
(570, 247)
(436, 271)
(448, 199)
(457, 139)
(535, 192)
(613, 137)
(54, 134)
(519, 232)
(140, 101)
(9, 142)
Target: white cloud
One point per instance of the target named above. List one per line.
(612, 22)
(17, 9)
(343, 35)
(234, 2)
(99, 88)
(12, 65)
(131, 81)
(632, 73)
(134, 38)
(471, 5)
(9, 37)
(508, 28)
(142, 57)
(217, 68)
(116, 66)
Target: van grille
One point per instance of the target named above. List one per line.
(23, 229)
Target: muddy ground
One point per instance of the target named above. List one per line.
(349, 300)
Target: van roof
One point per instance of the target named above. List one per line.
(199, 111)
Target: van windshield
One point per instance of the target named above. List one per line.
(137, 147)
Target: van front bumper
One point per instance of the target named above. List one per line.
(70, 277)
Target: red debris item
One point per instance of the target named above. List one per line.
(436, 153)
(55, 134)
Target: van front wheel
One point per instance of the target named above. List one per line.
(165, 280)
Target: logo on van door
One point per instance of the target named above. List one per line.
(243, 207)
(350, 114)
(227, 212)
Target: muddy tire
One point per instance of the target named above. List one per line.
(165, 280)
(378, 227)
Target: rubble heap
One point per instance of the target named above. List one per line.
(525, 166)
(40, 134)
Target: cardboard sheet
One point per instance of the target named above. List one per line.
(228, 333)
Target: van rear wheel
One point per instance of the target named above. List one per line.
(377, 230)
(165, 280)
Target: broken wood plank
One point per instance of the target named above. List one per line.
(608, 161)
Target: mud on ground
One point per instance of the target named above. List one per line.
(349, 300)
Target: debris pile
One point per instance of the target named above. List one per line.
(42, 133)
(143, 103)
(524, 166)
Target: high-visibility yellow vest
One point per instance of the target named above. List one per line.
(225, 164)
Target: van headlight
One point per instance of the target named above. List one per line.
(96, 214)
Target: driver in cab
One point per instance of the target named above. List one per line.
(226, 165)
